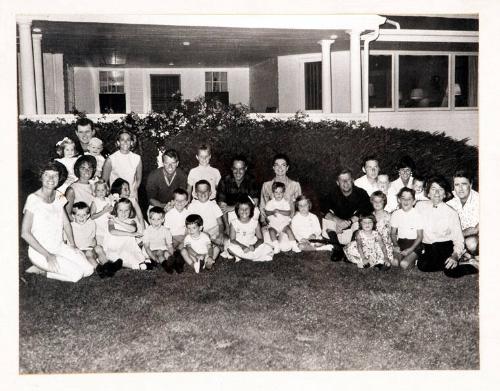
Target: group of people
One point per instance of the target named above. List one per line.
(86, 217)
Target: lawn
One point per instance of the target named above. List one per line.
(298, 312)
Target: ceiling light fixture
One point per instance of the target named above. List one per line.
(186, 43)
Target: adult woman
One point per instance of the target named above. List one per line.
(443, 241)
(42, 228)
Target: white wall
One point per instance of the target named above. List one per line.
(138, 85)
(458, 124)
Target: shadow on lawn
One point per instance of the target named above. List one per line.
(299, 312)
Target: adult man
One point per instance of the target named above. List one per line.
(368, 182)
(234, 186)
(344, 205)
(466, 203)
(84, 132)
(162, 182)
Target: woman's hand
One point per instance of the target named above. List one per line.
(52, 263)
(450, 263)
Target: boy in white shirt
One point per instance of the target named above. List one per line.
(84, 230)
(203, 171)
(198, 251)
(278, 211)
(157, 240)
(175, 218)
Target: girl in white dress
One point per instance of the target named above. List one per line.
(120, 243)
(100, 208)
(120, 188)
(65, 149)
(44, 222)
(124, 163)
(246, 237)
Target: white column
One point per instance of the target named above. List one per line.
(326, 74)
(37, 57)
(355, 50)
(27, 71)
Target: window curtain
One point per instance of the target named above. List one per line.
(472, 81)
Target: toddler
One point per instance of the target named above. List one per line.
(419, 186)
(84, 233)
(175, 218)
(95, 148)
(278, 211)
(245, 237)
(197, 250)
(100, 208)
(203, 171)
(368, 250)
(120, 188)
(406, 230)
(306, 227)
(384, 186)
(120, 242)
(157, 240)
(65, 149)
(210, 212)
(383, 225)
(124, 163)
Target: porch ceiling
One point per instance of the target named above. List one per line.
(87, 44)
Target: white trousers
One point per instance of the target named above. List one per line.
(261, 254)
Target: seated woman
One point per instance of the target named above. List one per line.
(443, 241)
(42, 228)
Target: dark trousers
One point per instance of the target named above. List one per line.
(434, 257)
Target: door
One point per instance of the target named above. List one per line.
(165, 92)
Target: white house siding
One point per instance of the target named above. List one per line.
(291, 81)
(458, 124)
(264, 85)
(135, 90)
(53, 79)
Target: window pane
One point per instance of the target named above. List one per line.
(465, 89)
(380, 84)
(208, 76)
(223, 85)
(423, 81)
(208, 86)
(111, 81)
(312, 78)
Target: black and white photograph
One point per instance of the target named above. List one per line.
(212, 197)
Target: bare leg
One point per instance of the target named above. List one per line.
(91, 257)
(101, 255)
(408, 262)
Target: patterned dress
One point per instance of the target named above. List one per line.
(371, 249)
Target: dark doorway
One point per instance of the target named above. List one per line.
(112, 103)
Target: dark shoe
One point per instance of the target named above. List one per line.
(101, 270)
(382, 267)
(167, 265)
(113, 267)
(337, 254)
(146, 265)
(179, 265)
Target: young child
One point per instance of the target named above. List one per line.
(306, 227)
(419, 186)
(157, 240)
(95, 148)
(384, 185)
(175, 218)
(197, 250)
(406, 230)
(203, 171)
(120, 242)
(65, 149)
(383, 225)
(100, 208)
(368, 250)
(278, 212)
(245, 237)
(81, 189)
(84, 233)
(124, 163)
(120, 188)
(210, 212)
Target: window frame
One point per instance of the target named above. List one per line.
(313, 57)
(220, 82)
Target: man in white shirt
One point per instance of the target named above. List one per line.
(368, 182)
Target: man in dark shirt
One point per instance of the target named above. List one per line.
(345, 204)
(163, 181)
(236, 185)
(84, 132)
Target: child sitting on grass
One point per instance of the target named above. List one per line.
(198, 251)
(84, 233)
(157, 240)
(245, 235)
(278, 211)
(306, 227)
(383, 226)
(203, 171)
(406, 230)
(175, 218)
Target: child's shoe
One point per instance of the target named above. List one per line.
(226, 255)
(112, 267)
(295, 248)
(325, 247)
(196, 266)
(209, 264)
(168, 265)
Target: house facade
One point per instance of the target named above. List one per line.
(393, 71)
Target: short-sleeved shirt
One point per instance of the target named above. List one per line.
(209, 173)
(305, 226)
(175, 221)
(469, 212)
(200, 245)
(209, 212)
(345, 207)
(292, 191)
(84, 234)
(160, 188)
(280, 221)
(230, 192)
(245, 232)
(157, 238)
(364, 183)
(407, 223)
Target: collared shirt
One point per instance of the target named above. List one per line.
(441, 224)
(344, 207)
(469, 212)
(158, 187)
(365, 184)
(229, 191)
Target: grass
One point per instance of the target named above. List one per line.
(298, 312)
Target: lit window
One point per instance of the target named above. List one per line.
(215, 81)
(111, 82)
